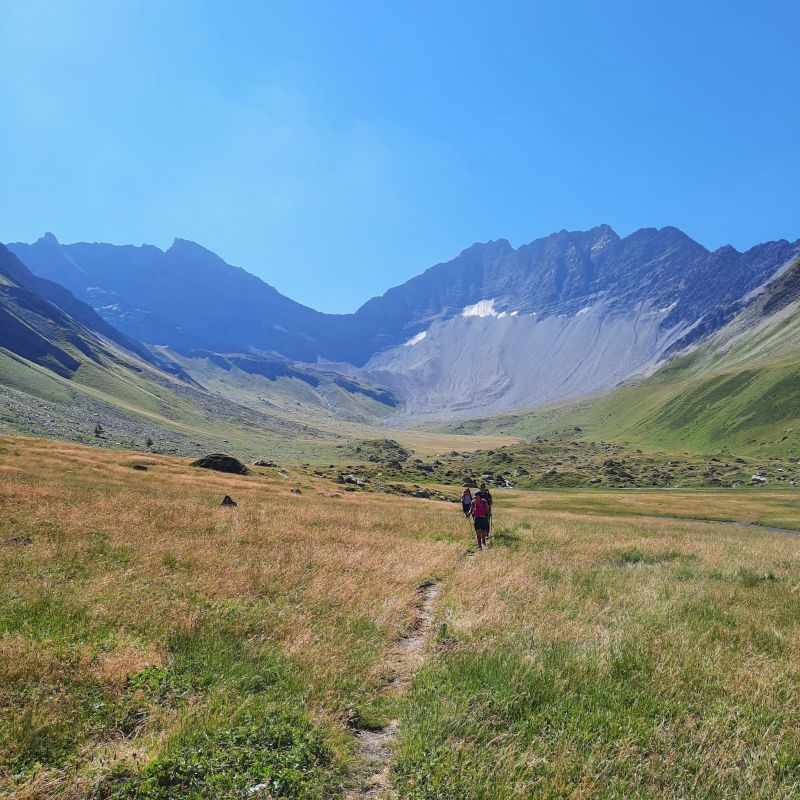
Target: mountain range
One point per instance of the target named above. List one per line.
(495, 329)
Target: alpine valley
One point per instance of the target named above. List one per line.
(649, 337)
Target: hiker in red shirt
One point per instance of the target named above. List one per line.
(479, 511)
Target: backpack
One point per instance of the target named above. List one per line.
(479, 507)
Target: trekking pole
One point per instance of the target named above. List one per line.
(470, 530)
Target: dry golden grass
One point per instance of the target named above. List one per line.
(431, 444)
(778, 507)
(330, 579)
(143, 612)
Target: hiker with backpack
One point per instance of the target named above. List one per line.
(466, 501)
(480, 515)
(487, 496)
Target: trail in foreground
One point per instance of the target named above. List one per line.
(374, 747)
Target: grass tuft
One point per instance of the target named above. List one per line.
(264, 751)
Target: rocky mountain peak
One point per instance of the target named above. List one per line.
(48, 240)
(188, 247)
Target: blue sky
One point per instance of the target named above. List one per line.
(339, 148)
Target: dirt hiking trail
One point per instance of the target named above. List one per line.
(374, 747)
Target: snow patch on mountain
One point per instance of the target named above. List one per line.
(416, 339)
(483, 308)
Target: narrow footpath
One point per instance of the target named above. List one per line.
(374, 748)
(710, 521)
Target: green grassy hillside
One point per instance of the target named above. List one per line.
(121, 403)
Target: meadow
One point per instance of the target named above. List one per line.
(156, 645)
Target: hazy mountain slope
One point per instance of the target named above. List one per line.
(64, 370)
(62, 374)
(274, 384)
(738, 390)
(183, 297)
(38, 316)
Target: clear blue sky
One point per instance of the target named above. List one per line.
(338, 148)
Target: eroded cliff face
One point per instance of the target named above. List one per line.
(490, 364)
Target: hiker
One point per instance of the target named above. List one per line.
(487, 496)
(480, 514)
(466, 501)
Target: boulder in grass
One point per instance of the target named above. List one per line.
(221, 463)
(228, 501)
(295, 490)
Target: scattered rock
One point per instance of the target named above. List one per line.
(220, 462)
(295, 490)
(520, 471)
(18, 540)
(139, 467)
(264, 463)
(228, 501)
(422, 493)
(758, 479)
